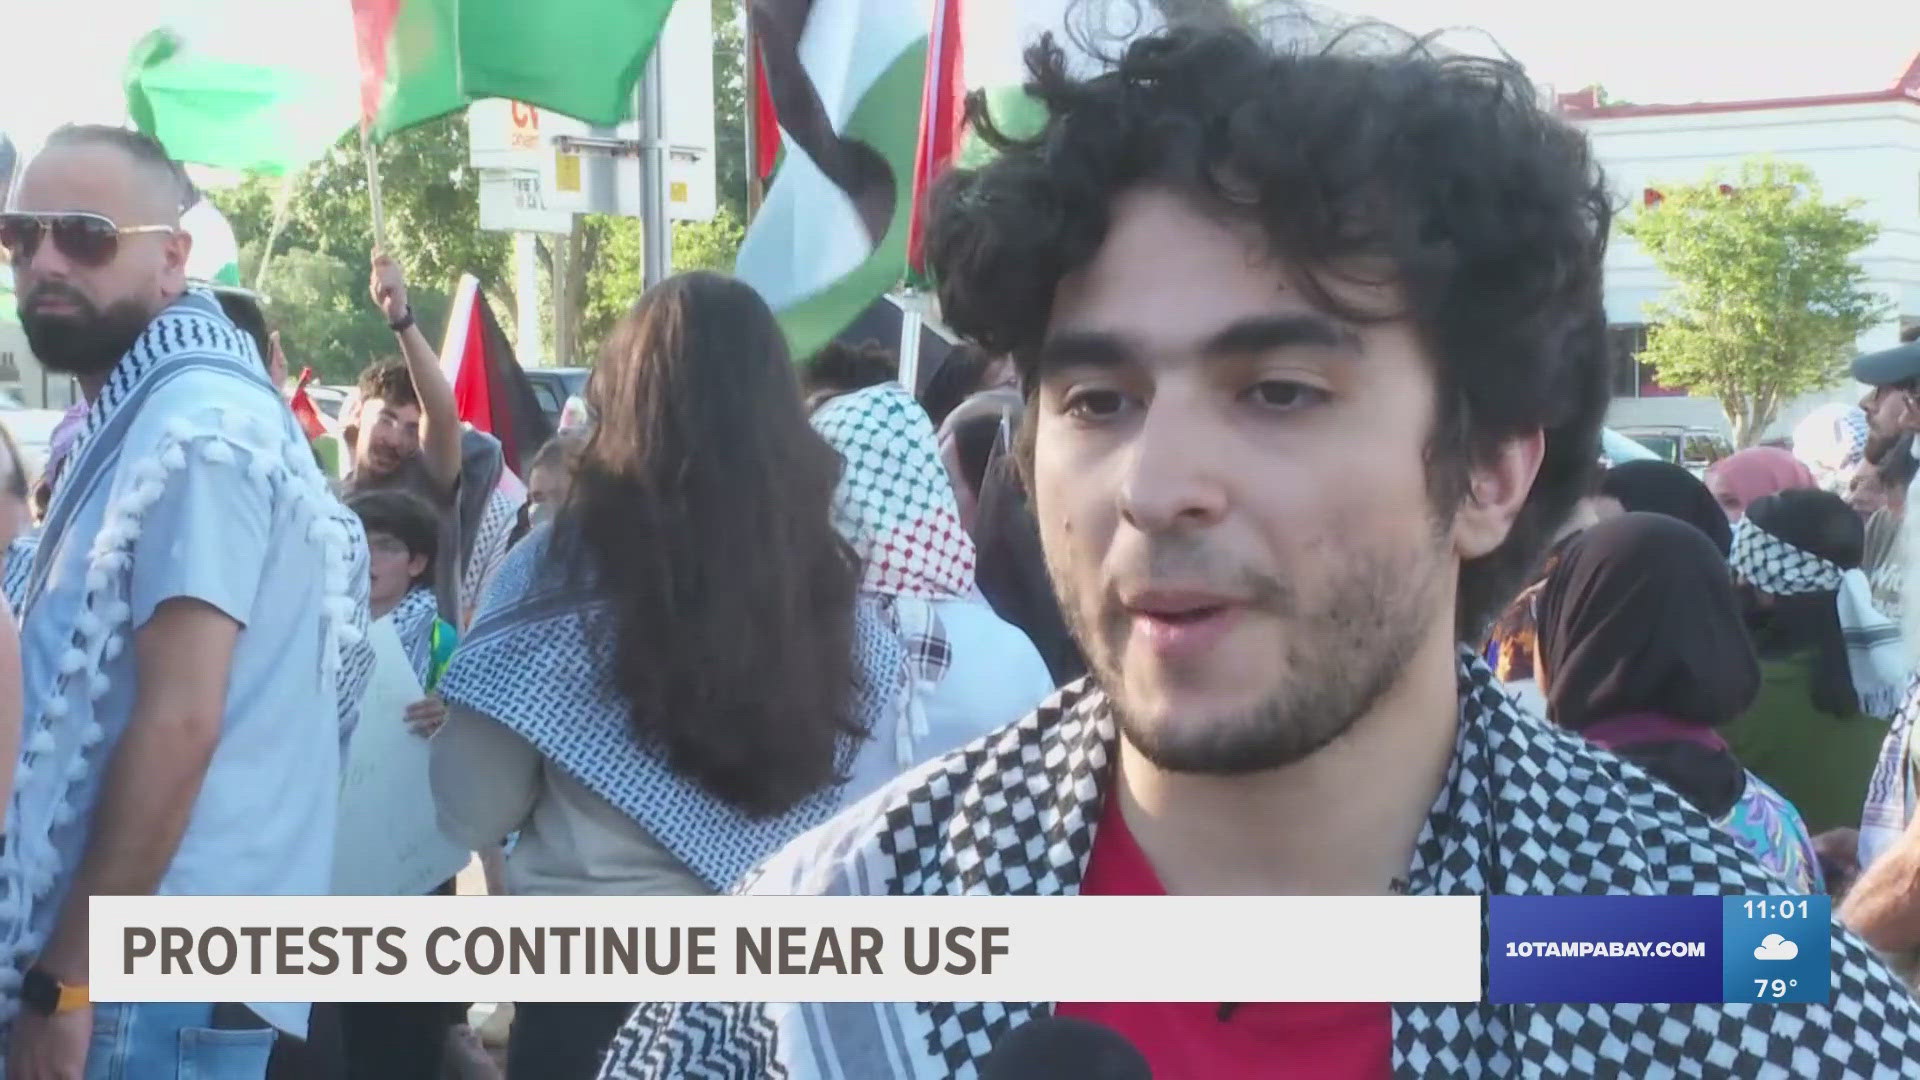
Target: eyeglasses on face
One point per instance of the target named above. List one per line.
(89, 240)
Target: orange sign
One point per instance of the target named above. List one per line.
(526, 127)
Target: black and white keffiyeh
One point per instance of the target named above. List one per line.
(1525, 809)
(532, 662)
(1876, 655)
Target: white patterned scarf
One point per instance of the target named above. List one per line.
(106, 488)
(895, 505)
(533, 663)
(1876, 653)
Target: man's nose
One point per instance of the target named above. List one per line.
(1175, 477)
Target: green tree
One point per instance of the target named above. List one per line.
(432, 205)
(614, 284)
(319, 304)
(729, 108)
(1767, 295)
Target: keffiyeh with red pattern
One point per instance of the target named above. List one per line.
(896, 506)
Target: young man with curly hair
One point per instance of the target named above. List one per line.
(1314, 351)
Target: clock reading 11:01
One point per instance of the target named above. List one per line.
(1776, 909)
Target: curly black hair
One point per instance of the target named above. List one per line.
(390, 381)
(841, 368)
(1441, 173)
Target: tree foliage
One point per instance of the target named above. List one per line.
(316, 281)
(319, 305)
(1767, 295)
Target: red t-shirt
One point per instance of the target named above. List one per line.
(1183, 1040)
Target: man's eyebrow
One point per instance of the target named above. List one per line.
(1083, 348)
(1263, 333)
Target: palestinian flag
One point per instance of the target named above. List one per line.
(230, 112)
(420, 59)
(304, 409)
(846, 77)
(488, 386)
(943, 115)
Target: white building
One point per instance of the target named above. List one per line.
(1859, 145)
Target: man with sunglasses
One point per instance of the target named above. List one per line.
(196, 596)
(1893, 376)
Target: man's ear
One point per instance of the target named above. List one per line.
(1497, 488)
(416, 565)
(179, 247)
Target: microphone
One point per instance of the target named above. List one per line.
(1058, 1046)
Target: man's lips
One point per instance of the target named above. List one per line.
(1177, 624)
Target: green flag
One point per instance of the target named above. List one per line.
(211, 109)
(579, 58)
(424, 58)
(409, 71)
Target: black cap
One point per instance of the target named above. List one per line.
(1889, 367)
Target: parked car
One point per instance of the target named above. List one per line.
(552, 387)
(1693, 448)
(32, 429)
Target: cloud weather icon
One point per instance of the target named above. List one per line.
(1775, 947)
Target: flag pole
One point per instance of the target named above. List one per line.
(282, 203)
(373, 189)
(750, 71)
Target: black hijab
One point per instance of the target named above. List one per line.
(1661, 487)
(1640, 617)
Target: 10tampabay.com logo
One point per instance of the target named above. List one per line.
(1658, 949)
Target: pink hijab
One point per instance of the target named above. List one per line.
(1754, 473)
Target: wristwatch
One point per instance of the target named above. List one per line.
(48, 996)
(400, 325)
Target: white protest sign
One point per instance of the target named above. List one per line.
(386, 841)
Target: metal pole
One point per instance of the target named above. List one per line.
(909, 362)
(656, 227)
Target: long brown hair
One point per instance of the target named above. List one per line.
(701, 510)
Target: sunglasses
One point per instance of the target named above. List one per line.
(90, 240)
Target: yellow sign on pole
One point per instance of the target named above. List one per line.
(566, 172)
(677, 191)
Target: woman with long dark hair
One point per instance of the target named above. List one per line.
(1643, 651)
(664, 684)
(1833, 667)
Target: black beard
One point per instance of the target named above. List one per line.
(85, 344)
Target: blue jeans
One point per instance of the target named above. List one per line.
(171, 1041)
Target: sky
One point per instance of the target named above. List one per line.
(1642, 50)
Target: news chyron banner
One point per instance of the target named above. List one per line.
(1465, 949)
(1664, 949)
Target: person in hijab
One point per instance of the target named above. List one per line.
(669, 680)
(1832, 443)
(1739, 479)
(1661, 487)
(1512, 644)
(1643, 651)
(966, 672)
(1833, 668)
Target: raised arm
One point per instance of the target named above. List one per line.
(439, 415)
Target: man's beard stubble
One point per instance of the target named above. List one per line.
(1339, 661)
(87, 343)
